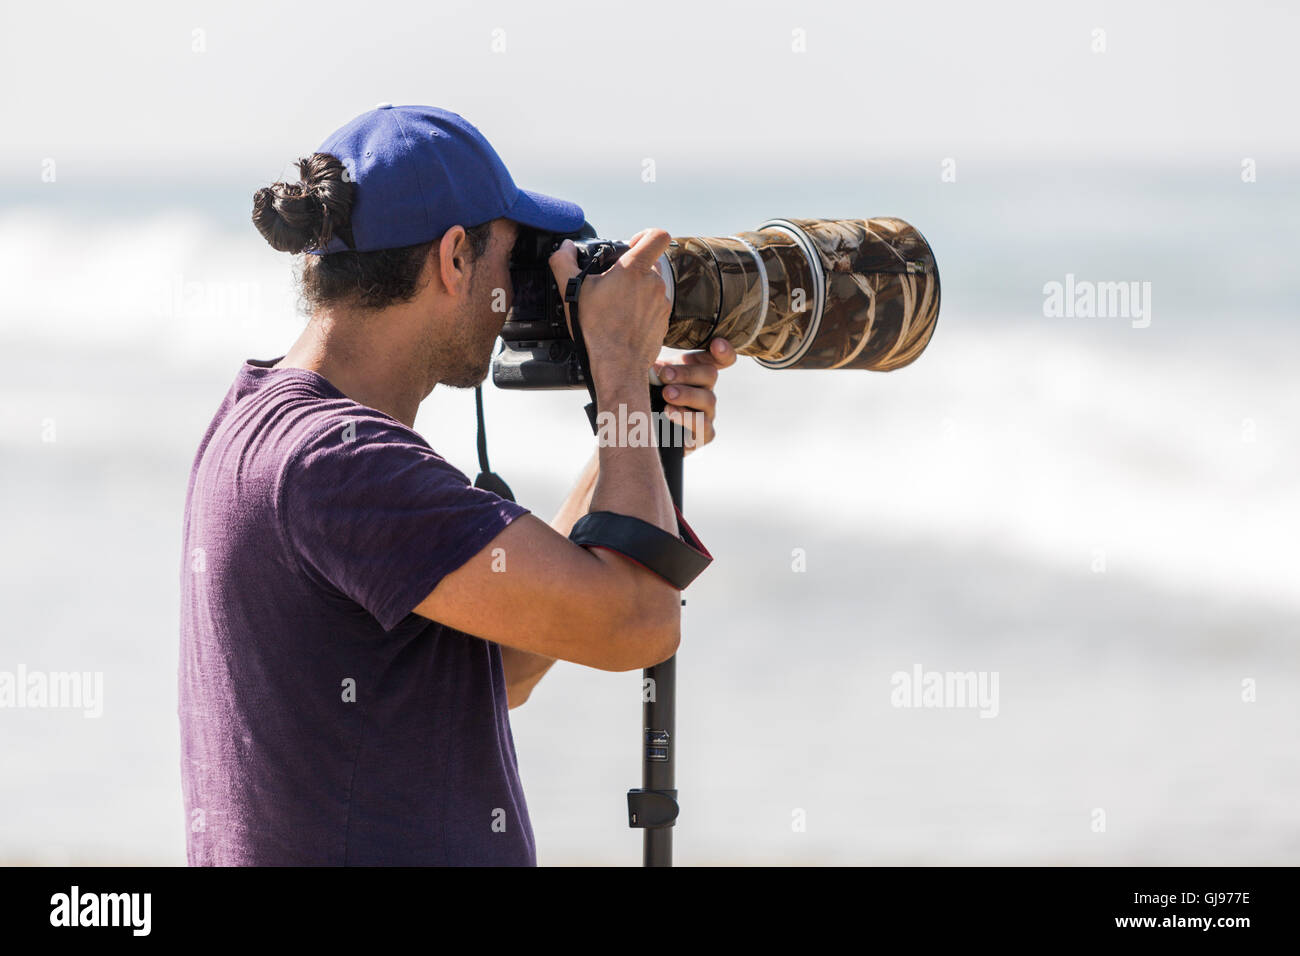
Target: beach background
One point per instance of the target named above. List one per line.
(1103, 514)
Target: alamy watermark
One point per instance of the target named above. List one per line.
(946, 689)
(182, 298)
(1085, 299)
(76, 908)
(636, 429)
(67, 690)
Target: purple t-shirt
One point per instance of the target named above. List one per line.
(322, 722)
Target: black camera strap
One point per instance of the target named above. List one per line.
(487, 478)
(571, 291)
(679, 559)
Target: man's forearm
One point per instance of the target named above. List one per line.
(633, 483)
(579, 500)
(523, 670)
(630, 480)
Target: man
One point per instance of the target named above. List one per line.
(356, 618)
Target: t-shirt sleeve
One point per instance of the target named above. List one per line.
(370, 509)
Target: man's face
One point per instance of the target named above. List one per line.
(484, 310)
(492, 275)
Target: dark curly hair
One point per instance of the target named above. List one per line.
(304, 216)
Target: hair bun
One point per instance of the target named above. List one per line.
(304, 216)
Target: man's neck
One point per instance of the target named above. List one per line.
(379, 371)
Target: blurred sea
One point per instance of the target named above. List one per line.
(1104, 515)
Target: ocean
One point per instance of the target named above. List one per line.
(1099, 510)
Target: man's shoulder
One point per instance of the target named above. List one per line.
(344, 447)
(342, 426)
(295, 420)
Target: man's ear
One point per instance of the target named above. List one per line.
(453, 259)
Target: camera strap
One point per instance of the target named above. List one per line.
(490, 480)
(679, 559)
(571, 291)
(487, 478)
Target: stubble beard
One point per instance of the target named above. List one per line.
(465, 357)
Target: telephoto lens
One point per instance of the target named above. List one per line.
(794, 293)
(809, 293)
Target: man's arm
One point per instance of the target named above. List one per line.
(579, 501)
(547, 595)
(693, 406)
(523, 668)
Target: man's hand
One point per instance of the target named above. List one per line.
(625, 309)
(689, 379)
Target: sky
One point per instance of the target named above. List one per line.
(174, 90)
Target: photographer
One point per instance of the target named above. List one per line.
(356, 618)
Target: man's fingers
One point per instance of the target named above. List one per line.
(564, 263)
(692, 374)
(721, 354)
(633, 241)
(696, 423)
(564, 266)
(687, 396)
(645, 252)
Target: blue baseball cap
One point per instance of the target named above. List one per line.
(420, 170)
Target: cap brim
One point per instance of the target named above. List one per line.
(546, 212)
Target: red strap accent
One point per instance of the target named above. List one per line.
(690, 536)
